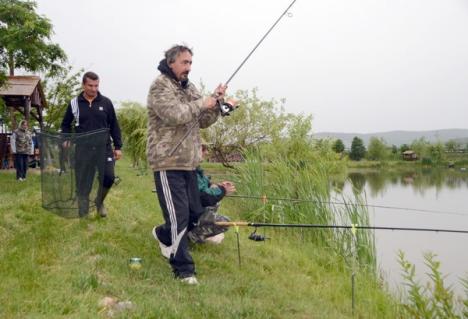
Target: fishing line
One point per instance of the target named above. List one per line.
(428, 211)
(250, 224)
(226, 108)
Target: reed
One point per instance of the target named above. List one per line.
(310, 181)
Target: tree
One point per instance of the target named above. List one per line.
(338, 146)
(377, 149)
(358, 150)
(404, 148)
(25, 39)
(421, 147)
(452, 146)
(255, 122)
(437, 153)
(60, 90)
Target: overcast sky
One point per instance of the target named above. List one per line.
(357, 66)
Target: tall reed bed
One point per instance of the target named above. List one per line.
(304, 192)
(133, 120)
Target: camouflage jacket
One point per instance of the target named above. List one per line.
(172, 110)
(21, 142)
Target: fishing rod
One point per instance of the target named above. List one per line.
(259, 42)
(251, 224)
(298, 200)
(225, 107)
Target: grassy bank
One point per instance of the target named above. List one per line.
(62, 268)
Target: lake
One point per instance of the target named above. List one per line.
(441, 191)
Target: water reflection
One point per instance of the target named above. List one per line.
(420, 180)
(442, 191)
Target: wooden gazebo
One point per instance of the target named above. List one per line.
(24, 94)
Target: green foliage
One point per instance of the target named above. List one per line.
(2, 79)
(426, 161)
(377, 150)
(437, 153)
(25, 39)
(452, 146)
(358, 150)
(404, 148)
(291, 178)
(465, 300)
(133, 119)
(421, 147)
(296, 143)
(63, 268)
(60, 89)
(255, 121)
(433, 300)
(3, 113)
(338, 146)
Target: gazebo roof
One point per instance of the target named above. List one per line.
(20, 85)
(24, 85)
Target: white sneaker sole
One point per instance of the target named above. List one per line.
(165, 250)
(216, 239)
(190, 280)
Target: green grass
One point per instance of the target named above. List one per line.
(61, 268)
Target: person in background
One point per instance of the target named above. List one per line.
(210, 196)
(21, 147)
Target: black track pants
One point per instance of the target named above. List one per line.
(88, 161)
(179, 199)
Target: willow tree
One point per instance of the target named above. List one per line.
(256, 121)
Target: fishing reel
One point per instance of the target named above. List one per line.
(225, 108)
(257, 237)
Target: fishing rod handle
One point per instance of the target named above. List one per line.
(232, 224)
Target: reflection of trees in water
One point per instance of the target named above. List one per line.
(338, 185)
(394, 179)
(358, 180)
(419, 180)
(377, 183)
(454, 182)
(426, 178)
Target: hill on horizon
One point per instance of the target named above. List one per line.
(400, 137)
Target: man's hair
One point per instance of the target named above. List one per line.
(172, 54)
(90, 75)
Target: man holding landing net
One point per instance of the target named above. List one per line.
(90, 111)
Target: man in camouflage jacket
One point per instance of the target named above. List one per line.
(176, 108)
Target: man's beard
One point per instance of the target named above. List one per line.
(184, 76)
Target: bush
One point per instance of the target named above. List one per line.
(426, 161)
(434, 299)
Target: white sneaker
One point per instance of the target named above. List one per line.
(192, 280)
(165, 250)
(216, 239)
